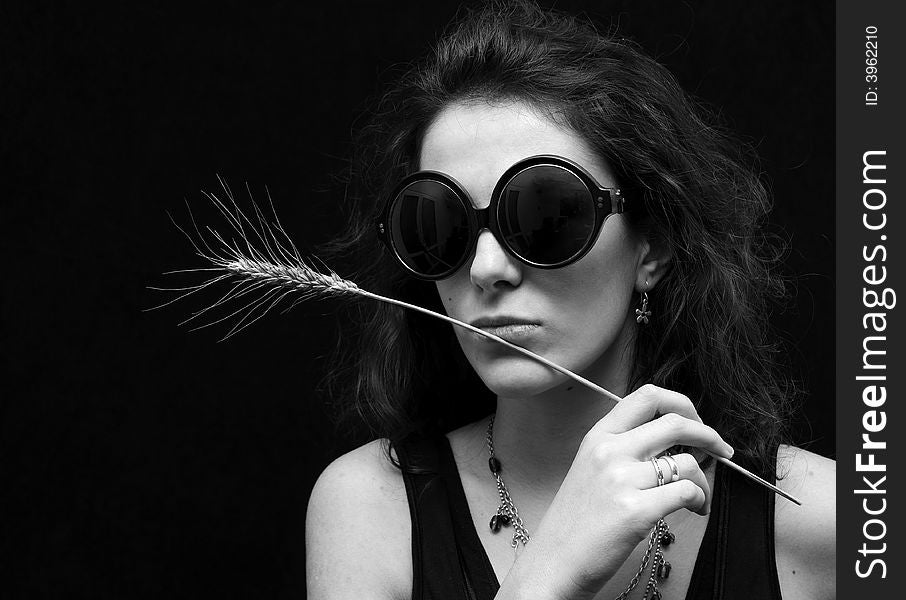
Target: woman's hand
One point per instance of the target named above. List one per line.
(610, 498)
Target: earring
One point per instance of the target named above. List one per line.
(642, 314)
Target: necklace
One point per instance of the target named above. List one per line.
(507, 515)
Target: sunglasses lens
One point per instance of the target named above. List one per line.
(429, 228)
(546, 214)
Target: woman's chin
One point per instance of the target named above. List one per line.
(517, 377)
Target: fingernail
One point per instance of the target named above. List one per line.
(728, 449)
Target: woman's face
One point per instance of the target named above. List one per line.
(579, 316)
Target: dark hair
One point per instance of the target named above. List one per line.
(699, 195)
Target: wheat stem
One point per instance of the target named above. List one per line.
(278, 271)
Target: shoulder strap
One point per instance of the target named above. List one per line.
(445, 561)
(736, 558)
(749, 564)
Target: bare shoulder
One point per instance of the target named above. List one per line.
(357, 529)
(805, 536)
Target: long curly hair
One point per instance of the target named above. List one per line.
(700, 196)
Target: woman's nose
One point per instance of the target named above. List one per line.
(492, 267)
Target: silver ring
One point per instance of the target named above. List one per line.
(658, 471)
(674, 468)
(667, 469)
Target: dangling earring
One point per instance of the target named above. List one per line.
(642, 314)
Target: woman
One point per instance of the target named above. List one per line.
(621, 244)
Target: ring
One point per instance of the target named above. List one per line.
(674, 475)
(674, 468)
(657, 470)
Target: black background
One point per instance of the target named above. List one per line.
(139, 460)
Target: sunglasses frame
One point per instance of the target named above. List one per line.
(606, 201)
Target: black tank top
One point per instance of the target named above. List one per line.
(736, 558)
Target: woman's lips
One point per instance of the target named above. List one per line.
(512, 330)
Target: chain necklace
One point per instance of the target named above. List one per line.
(508, 516)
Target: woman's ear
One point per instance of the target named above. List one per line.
(654, 262)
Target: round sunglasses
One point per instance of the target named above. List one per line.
(546, 211)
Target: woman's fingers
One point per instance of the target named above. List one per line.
(642, 476)
(644, 473)
(676, 419)
(671, 429)
(685, 493)
(687, 470)
(644, 404)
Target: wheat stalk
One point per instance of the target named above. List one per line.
(265, 268)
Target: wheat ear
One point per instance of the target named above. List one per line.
(265, 268)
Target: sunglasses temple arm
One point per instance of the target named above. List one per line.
(577, 378)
